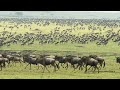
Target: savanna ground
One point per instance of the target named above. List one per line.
(111, 71)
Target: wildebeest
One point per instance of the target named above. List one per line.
(74, 60)
(100, 60)
(91, 62)
(9, 57)
(44, 61)
(17, 59)
(40, 60)
(29, 60)
(6, 61)
(60, 59)
(2, 63)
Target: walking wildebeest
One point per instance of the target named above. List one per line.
(30, 60)
(2, 63)
(47, 61)
(91, 62)
(17, 59)
(74, 60)
(60, 59)
(100, 60)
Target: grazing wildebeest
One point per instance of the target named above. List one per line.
(100, 60)
(91, 62)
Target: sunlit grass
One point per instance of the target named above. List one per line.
(111, 71)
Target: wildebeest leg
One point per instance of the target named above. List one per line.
(62, 65)
(4, 64)
(86, 68)
(8, 63)
(57, 66)
(1, 66)
(77, 66)
(74, 67)
(100, 67)
(20, 63)
(94, 69)
(12, 63)
(43, 69)
(97, 68)
(47, 69)
(38, 67)
(30, 66)
(90, 68)
(101, 64)
(80, 67)
(54, 67)
(66, 66)
(26, 65)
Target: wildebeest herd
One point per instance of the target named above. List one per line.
(100, 32)
(107, 30)
(95, 62)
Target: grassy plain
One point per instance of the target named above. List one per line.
(111, 71)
